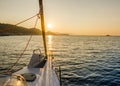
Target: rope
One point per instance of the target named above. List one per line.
(10, 68)
(18, 23)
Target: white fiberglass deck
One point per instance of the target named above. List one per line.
(45, 76)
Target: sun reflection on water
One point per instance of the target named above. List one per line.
(49, 43)
(49, 37)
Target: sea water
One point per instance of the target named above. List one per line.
(84, 60)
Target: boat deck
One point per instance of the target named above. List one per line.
(40, 76)
(45, 76)
(36, 71)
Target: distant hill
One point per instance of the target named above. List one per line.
(8, 29)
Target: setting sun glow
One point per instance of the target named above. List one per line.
(50, 26)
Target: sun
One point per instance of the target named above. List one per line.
(50, 26)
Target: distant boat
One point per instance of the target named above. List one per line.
(107, 35)
(40, 70)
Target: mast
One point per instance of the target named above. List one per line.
(41, 14)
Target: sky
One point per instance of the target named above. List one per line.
(78, 17)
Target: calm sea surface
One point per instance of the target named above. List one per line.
(84, 60)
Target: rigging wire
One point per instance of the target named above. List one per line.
(40, 15)
(25, 47)
(11, 67)
(6, 29)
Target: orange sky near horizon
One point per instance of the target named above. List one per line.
(78, 17)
